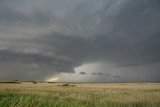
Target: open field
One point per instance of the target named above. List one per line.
(80, 95)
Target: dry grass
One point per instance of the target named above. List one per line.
(84, 95)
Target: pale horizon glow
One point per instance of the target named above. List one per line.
(53, 79)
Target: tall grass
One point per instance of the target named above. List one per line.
(60, 96)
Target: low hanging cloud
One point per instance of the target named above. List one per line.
(108, 75)
(116, 76)
(82, 73)
(97, 73)
(48, 37)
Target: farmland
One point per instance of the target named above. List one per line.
(27, 94)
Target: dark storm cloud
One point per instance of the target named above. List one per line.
(63, 34)
(8, 55)
(34, 62)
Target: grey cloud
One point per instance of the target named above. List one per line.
(97, 73)
(116, 76)
(64, 34)
(107, 74)
(8, 55)
(82, 73)
(56, 64)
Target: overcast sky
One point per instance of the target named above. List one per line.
(80, 40)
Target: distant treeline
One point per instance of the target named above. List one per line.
(11, 82)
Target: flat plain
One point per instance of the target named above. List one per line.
(28, 94)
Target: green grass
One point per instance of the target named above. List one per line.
(47, 95)
(33, 100)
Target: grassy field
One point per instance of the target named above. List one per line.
(80, 95)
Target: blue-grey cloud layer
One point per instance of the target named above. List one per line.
(51, 36)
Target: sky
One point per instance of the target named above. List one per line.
(80, 40)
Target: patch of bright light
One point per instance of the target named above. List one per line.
(54, 79)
